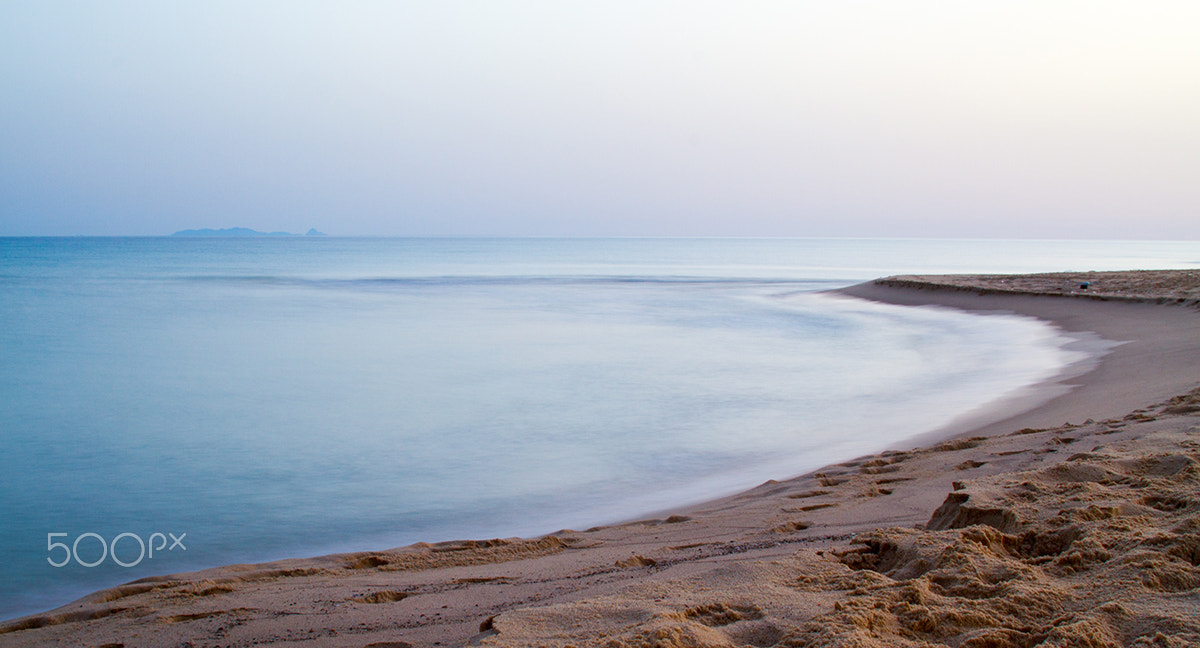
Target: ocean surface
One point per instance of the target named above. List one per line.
(169, 404)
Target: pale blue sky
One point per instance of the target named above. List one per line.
(850, 118)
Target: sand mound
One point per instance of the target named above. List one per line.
(1055, 557)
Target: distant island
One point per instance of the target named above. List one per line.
(241, 231)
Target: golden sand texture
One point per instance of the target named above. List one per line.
(1099, 550)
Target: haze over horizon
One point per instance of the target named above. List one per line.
(864, 118)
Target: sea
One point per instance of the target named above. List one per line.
(174, 403)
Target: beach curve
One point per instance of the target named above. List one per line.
(986, 538)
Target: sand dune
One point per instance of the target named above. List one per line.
(1075, 523)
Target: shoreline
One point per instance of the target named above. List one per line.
(1142, 325)
(707, 573)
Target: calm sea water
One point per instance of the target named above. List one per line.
(269, 398)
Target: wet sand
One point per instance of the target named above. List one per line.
(1068, 517)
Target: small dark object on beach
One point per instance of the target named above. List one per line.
(1084, 285)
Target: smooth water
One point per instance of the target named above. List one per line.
(277, 398)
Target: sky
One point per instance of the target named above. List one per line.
(923, 118)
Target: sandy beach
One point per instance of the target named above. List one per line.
(1065, 516)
